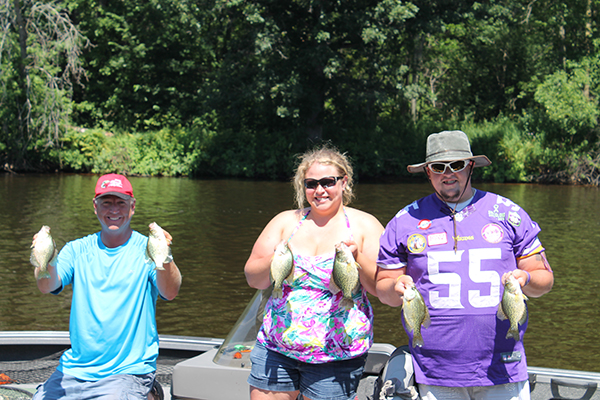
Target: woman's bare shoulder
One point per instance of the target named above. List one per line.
(288, 216)
(356, 213)
(366, 220)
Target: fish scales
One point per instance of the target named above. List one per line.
(43, 252)
(344, 275)
(157, 249)
(415, 313)
(513, 307)
(282, 268)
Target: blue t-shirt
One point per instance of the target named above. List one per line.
(112, 324)
(465, 344)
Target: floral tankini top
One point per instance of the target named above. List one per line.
(308, 324)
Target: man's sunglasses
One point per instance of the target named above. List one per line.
(324, 182)
(455, 166)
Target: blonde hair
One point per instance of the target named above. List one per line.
(326, 155)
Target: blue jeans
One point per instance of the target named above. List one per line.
(115, 387)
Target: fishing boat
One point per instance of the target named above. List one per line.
(201, 368)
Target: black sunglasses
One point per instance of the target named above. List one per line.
(455, 166)
(324, 182)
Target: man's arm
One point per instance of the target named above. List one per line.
(391, 284)
(48, 285)
(542, 278)
(169, 280)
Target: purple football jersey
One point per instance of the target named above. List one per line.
(465, 344)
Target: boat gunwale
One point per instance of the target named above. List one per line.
(203, 344)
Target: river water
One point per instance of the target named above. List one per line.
(214, 224)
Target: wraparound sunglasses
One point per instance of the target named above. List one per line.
(440, 167)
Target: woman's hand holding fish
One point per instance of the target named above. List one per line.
(353, 248)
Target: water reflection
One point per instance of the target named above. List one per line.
(214, 224)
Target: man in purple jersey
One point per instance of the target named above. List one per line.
(458, 246)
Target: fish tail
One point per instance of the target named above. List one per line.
(417, 338)
(43, 274)
(500, 313)
(513, 332)
(347, 304)
(277, 293)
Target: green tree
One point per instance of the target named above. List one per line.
(147, 64)
(39, 62)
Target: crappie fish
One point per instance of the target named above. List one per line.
(415, 314)
(512, 307)
(344, 275)
(282, 268)
(43, 252)
(157, 249)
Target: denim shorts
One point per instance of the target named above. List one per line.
(336, 380)
(115, 387)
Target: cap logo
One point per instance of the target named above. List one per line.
(113, 183)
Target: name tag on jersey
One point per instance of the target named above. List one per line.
(437, 239)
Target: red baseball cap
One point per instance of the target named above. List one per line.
(114, 184)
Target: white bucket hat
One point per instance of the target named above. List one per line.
(448, 146)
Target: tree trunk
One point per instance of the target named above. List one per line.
(24, 105)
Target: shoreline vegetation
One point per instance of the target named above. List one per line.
(236, 89)
(516, 156)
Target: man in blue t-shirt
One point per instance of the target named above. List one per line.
(114, 338)
(458, 246)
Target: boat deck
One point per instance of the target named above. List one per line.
(26, 364)
(28, 358)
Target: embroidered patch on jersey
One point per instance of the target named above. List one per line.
(496, 214)
(514, 218)
(492, 233)
(416, 243)
(437, 238)
(424, 224)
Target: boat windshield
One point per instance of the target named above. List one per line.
(235, 350)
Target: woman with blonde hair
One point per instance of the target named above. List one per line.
(310, 343)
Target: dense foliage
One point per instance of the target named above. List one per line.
(238, 88)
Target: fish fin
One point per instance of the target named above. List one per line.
(33, 260)
(54, 260)
(54, 256)
(333, 288)
(407, 322)
(290, 278)
(500, 314)
(427, 320)
(523, 318)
